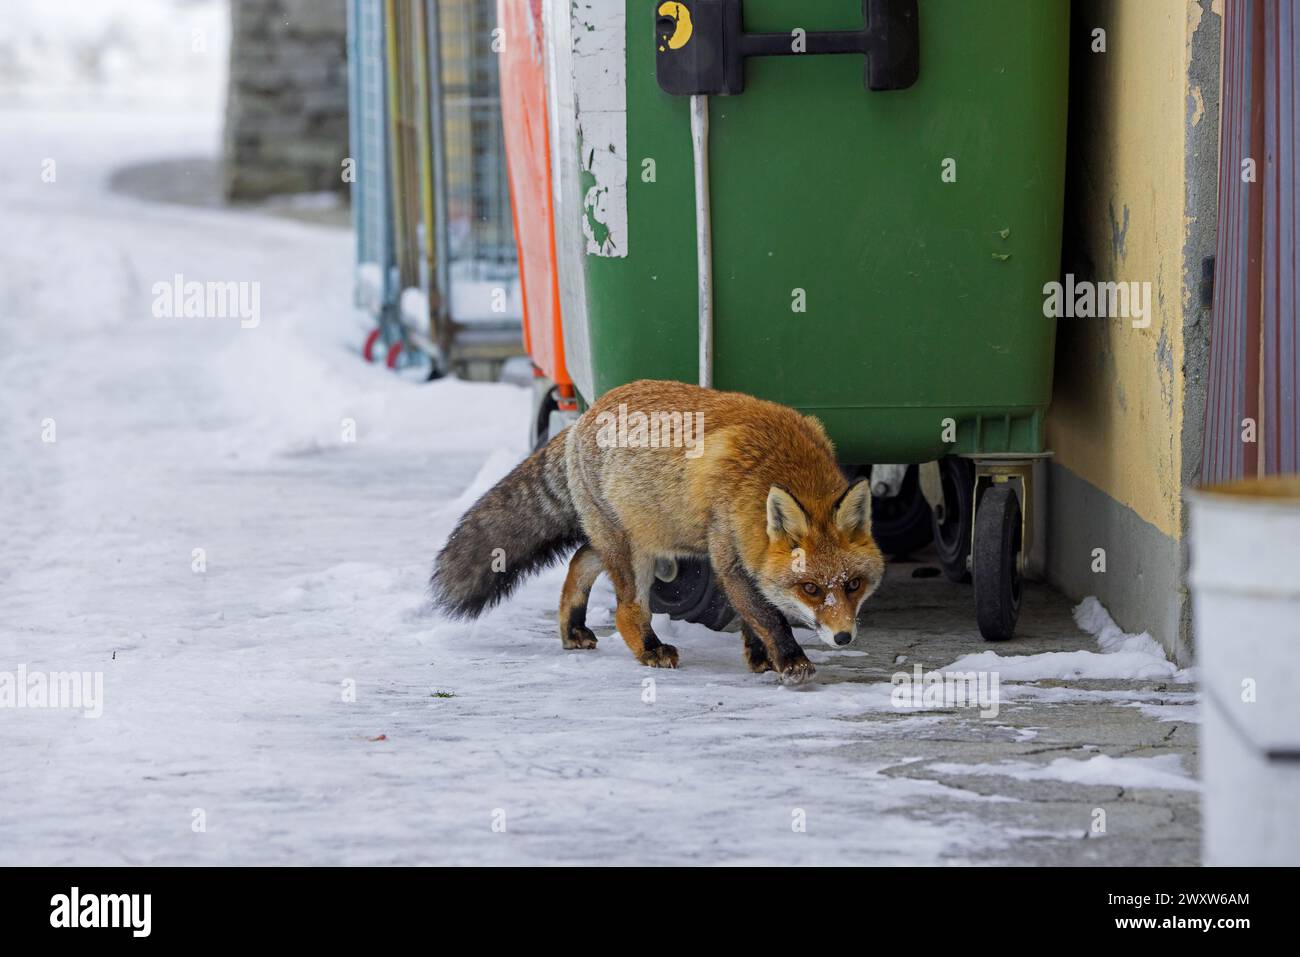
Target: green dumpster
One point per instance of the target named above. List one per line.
(878, 255)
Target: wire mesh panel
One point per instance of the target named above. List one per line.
(482, 263)
(367, 119)
(409, 148)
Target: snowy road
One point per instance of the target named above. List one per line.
(226, 690)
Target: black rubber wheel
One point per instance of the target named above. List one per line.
(952, 535)
(542, 424)
(997, 569)
(692, 596)
(902, 524)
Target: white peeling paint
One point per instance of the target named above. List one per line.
(600, 89)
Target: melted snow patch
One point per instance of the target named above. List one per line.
(1122, 657)
(1163, 771)
(819, 655)
(1189, 711)
(1067, 665)
(1091, 616)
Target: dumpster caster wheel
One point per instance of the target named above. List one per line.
(952, 535)
(368, 350)
(394, 353)
(996, 561)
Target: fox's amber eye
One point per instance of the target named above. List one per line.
(854, 585)
(810, 589)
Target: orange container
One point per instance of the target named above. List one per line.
(528, 164)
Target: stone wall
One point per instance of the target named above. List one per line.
(287, 112)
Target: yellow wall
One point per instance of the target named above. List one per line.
(1117, 410)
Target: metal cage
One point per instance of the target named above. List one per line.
(376, 286)
(436, 260)
(477, 256)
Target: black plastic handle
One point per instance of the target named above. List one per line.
(701, 45)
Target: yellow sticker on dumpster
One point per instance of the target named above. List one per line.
(682, 28)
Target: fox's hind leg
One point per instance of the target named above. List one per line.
(631, 577)
(584, 569)
(633, 617)
(631, 573)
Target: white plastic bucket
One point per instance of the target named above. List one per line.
(1245, 579)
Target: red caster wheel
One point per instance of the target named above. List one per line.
(394, 352)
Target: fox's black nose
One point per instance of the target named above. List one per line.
(843, 638)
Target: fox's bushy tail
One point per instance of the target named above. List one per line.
(524, 523)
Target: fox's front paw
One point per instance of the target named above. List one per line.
(797, 671)
(578, 637)
(660, 656)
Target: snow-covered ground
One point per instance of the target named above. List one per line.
(124, 54)
(284, 695)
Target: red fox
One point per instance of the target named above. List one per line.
(750, 484)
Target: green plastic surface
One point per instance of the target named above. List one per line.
(923, 298)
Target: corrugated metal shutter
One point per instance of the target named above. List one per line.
(1254, 364)
(1280, 439)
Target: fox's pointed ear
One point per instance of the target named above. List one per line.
(853, 510)
(785, 516)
